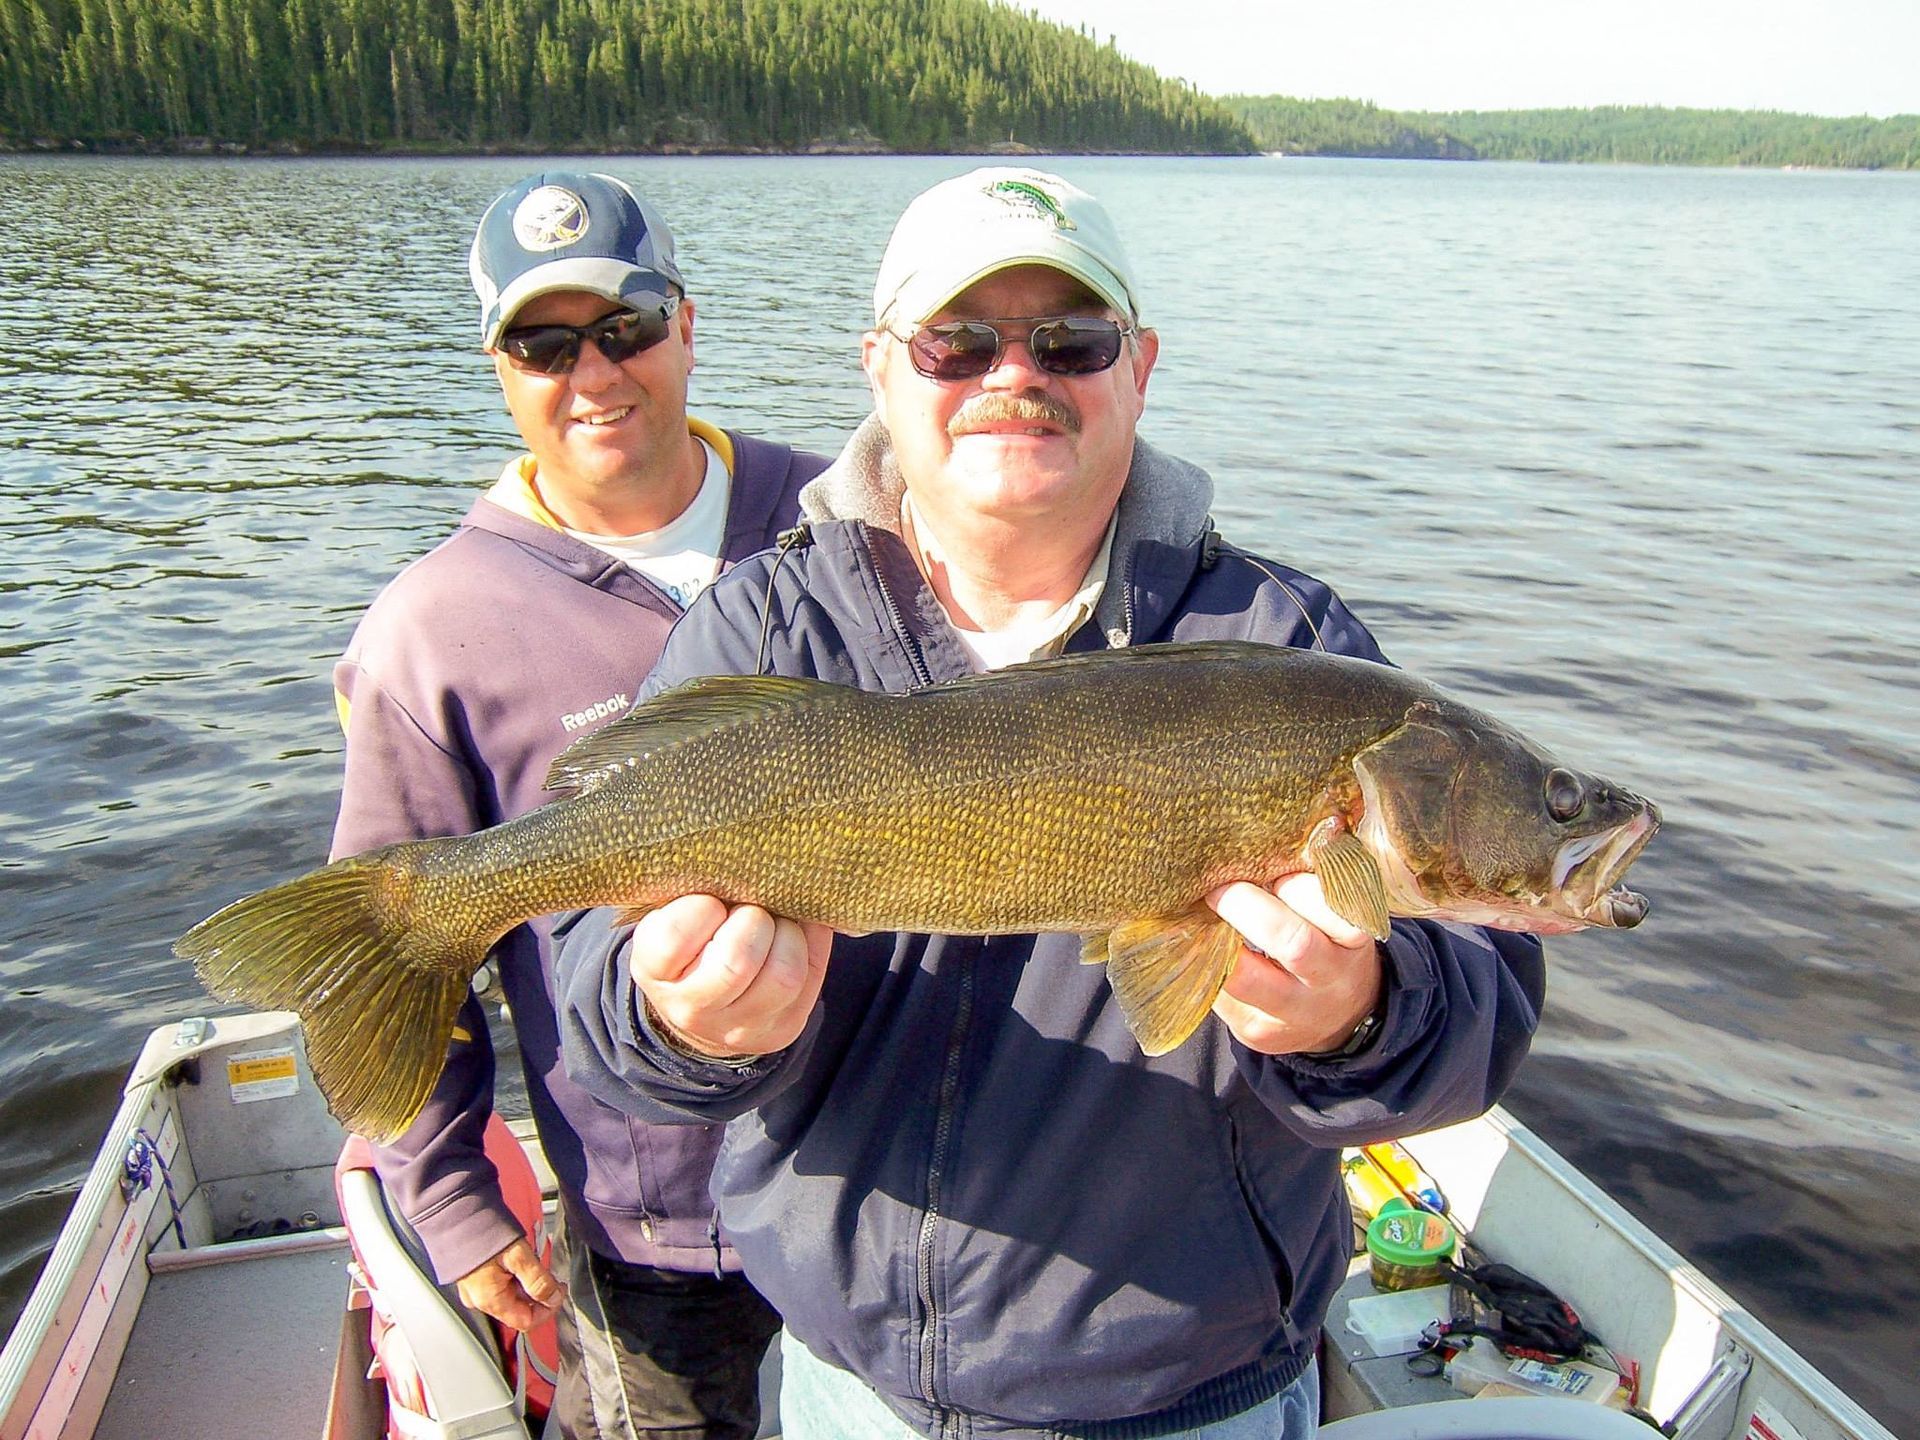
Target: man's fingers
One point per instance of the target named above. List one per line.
(771, 1011)
(668, 941)
(747, 989)
(819, 947)
(730, 964)
(514, 1287)
(1303, 895)
(1264, 922)
(789, 963)
(523, 1262)
(1313, 977)
(1295, 928)
(736, 959)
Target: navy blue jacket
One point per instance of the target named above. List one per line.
(964, 1182)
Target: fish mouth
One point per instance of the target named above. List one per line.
(1587, 871)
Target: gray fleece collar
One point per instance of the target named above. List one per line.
(1165, 499)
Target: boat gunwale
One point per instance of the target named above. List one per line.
(1784, 1366)
(87, 1236)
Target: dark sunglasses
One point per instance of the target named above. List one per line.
(1062, 345)
(555, 349)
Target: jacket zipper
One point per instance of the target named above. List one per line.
(923, 675)
(936, 1172)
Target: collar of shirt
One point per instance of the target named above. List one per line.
(518, 488)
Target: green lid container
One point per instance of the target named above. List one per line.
(1405, 1248)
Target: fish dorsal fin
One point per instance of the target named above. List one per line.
(700, 705)
(1350, 879)
(1166, 972)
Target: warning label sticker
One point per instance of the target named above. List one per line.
(262, 1075)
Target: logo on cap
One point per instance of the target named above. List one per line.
(1021, 194)
(549, 218)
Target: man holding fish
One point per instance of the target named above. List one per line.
(1026, 711)
(979, 1205)
(993, 1190)
(529, 627)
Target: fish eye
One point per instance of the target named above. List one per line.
(1565, 794)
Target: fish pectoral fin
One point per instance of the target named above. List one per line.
(1350, 878)
(632, 914)
(1166, 972)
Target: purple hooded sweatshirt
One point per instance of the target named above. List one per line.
(476, 666)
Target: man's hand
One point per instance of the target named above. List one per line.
(514, 1287)
(1308, 977)
(729, 982)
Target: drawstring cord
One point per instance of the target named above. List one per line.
(1211, 548)
(789, 540)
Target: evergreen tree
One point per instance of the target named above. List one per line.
(911, 74)
(1646, 135)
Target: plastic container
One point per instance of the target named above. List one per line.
(1378, 1175)
(1393, 1323)
(1482, 1365)
(1367, 1188)
(1405, 1248)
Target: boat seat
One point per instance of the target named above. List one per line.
(465, 1392)
(1511, 1418)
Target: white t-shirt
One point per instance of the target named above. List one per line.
(682, 557)
(1031, 639)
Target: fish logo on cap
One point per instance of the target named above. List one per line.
(549, 218)
(1018, 194)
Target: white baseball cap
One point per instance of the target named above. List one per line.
(974, 225)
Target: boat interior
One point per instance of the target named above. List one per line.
(214, 1278)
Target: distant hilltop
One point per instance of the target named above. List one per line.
(782, 76)
(290, 76)
(1642, 135)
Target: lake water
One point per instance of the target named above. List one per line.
(1627, 456)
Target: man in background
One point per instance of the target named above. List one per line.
(979, 1208)
(529, 626)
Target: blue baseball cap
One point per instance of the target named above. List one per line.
(562, 230)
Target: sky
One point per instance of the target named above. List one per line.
(1833, 57)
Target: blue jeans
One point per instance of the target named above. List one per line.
(819, 1401)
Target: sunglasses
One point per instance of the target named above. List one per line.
(555, 349)
(968, 349)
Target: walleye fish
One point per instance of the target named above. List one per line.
(1104, 794)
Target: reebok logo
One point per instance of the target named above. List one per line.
(612, 705)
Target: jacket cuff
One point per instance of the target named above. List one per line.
(659, 1045)
(1407, 981)
(467, 1231)
(680, 1044)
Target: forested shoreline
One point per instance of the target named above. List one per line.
(781, 76)
(1641, 135)
(289, 76)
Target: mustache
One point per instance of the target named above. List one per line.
(1030, 406)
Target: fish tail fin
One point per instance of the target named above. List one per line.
(376, 987)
